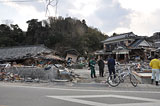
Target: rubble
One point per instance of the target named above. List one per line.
(51, 68)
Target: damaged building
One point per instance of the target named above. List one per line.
(27, 55)
(156, 40)
(127, 46)
(32, 62)
(72, 53)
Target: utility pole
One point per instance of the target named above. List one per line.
(53, 4)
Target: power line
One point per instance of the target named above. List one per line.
(52, 3)
(56, 5)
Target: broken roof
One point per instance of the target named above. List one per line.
(53, 57)
(22, 52)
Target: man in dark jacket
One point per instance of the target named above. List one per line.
(101, 67)
(111, 65)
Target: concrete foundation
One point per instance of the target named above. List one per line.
(144, 77)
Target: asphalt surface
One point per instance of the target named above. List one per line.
(84, 92)
(53, 94)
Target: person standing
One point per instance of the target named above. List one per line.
(92, 63)
(101, 67)
(111, 66)
(155, 65)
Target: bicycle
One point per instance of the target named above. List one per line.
(120, 76)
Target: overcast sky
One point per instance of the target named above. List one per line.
(120, 16)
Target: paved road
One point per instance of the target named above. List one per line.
(36, 95)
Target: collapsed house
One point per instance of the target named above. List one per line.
(127, 46)
(27, 55)
(34, 62)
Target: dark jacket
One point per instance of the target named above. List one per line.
(101, 63)
(111, 63)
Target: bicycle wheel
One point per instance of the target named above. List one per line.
(133, 80)
(113, 80)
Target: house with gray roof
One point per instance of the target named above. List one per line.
(126, 45)
(120, 37)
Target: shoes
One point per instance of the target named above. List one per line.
(152, 81)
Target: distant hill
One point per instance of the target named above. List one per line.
(56, 33)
